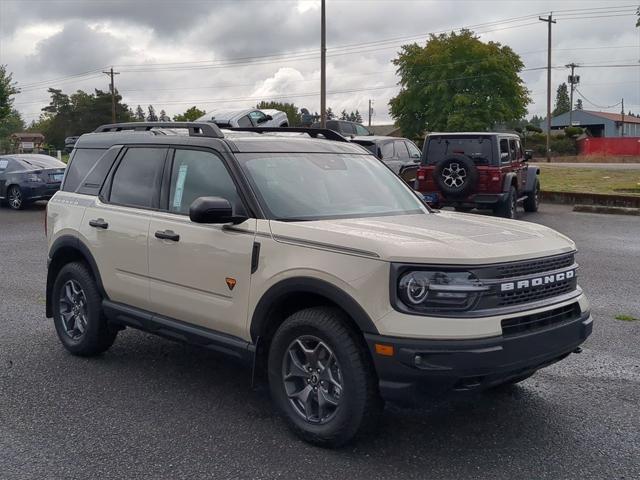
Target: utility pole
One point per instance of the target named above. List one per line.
(370, 111)
(323, 67)
(622, 125)
(549, 21)
(573, 81)
(111, 73)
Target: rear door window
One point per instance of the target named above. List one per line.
(245, 121)
(514, 150)
(136, 181)
(477, 148)
(401, 149)
(505, 156)
(386, 149)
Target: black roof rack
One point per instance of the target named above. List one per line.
(196, 129)
(312, 132)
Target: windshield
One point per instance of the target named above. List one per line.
(477, 148)
(315, 186)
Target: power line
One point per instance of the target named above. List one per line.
(594, 104)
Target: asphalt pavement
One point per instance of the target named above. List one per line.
(150, 408)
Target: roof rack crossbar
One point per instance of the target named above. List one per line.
(196, 129)
(312, 132)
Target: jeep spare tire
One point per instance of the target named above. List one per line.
(456, 175)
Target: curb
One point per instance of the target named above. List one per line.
(605, 209)
(591, 199)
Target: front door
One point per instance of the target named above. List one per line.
(200, 273)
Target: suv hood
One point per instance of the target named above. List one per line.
(440, 238)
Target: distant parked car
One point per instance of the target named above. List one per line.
(246, 118)
(69, 143)
(345, 128)
(399, 154)
(26, 178)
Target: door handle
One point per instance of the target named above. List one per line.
(167, 235)
(99, 223)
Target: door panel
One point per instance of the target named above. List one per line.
(120, 250)
(188, 277)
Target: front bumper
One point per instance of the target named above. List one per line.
(419, 366)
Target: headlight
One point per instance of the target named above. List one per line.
(32, 177)
(435, 291)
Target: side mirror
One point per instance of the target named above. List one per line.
(211, 210)
(528, 155)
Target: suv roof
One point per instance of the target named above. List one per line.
(257, 139)
(474, 134)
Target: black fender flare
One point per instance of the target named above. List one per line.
(508, 181)
(289, 286)
(532, 175)
(65, 245)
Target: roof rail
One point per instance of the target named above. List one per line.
(312, 132)
(196, 129)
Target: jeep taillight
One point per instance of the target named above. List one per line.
(422, 174)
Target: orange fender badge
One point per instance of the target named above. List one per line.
(231, 282)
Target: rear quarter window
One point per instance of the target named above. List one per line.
(81, 163)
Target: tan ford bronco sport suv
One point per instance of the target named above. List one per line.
(308, 259)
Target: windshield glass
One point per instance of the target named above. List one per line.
(477, 148)
(315, 186)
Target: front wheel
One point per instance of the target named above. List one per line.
(508, 208)
(532, 202)
(321, 377)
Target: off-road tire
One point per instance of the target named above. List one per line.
(98, 335)
(360, 404)
(470, 178)
(532, 202)
(509, 206)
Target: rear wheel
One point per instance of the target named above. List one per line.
(507, 209)
(77, 312)
(321, 377)
(15, 198)
(532, 201)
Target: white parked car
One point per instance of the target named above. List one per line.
(247, 118)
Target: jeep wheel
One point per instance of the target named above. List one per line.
(77, 312)
(15, 198)
(507, 209)
(321, 377)
(456, 176)
(532, 202)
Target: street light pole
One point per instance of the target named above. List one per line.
(323, 67)
(549, 20)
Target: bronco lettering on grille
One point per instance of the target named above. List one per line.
(537, 281)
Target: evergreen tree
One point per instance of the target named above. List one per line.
(579, 104)
(139, 115)
(344, 115)
(163, 116)
(330, 114)
(563, 103)
(357, 117)
(152, 117)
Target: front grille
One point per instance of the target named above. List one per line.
(536, 293)
(531, 267)
(537, 321)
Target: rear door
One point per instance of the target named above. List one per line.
(4, 163)
(518, 163)
(201, 273)
(116, 227)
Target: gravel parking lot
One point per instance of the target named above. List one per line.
(150, 408)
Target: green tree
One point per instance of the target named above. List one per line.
(152, 117)
(330, 114)
(457, 82)
(579, 104)
(563, 103)
(357, 117)
(344, 115)
(290, 109)
(139, 115)
(190, 115)
(78, 113)
(164, 117)
(12, 123)
(8, 89)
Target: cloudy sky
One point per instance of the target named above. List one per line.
(232, 53)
